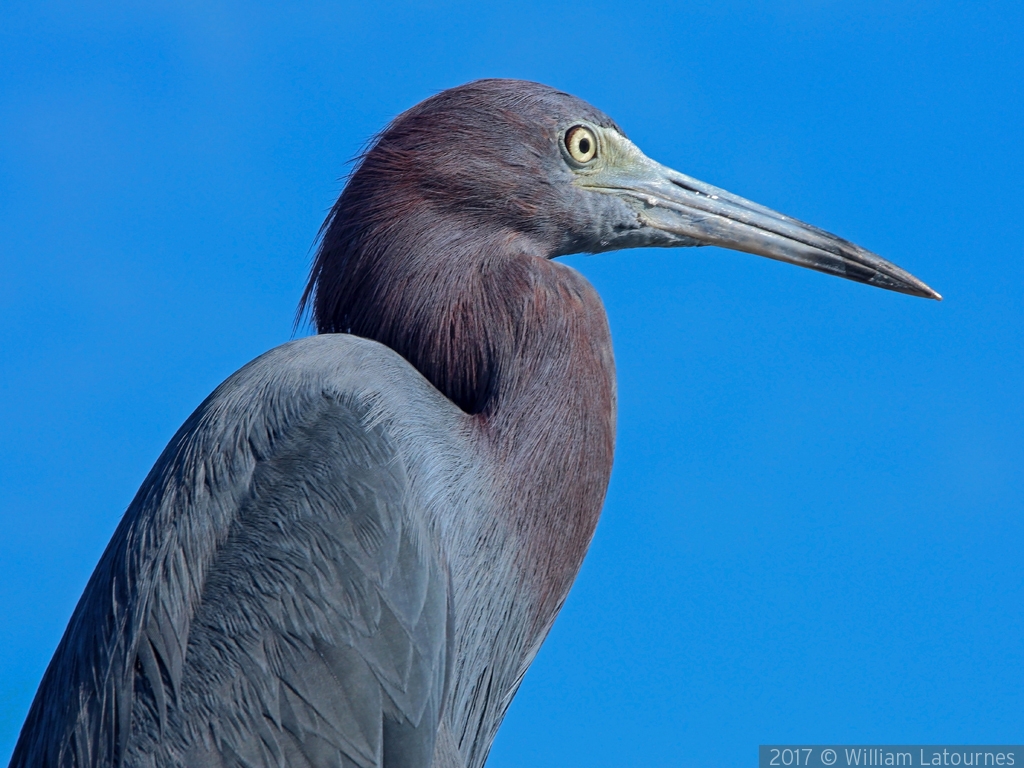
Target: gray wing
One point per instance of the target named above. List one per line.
(274, 595)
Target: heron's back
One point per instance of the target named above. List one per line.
(276, 594)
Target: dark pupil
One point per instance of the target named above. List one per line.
(584, 146)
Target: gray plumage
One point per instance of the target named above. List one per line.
(278, 580)
(351, 552)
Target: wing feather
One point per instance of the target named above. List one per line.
(274, 596)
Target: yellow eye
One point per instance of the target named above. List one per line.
(581, 143)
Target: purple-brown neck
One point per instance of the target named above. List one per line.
(509, 336)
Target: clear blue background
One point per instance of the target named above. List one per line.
(814, 528)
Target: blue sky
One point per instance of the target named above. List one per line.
(814, 528)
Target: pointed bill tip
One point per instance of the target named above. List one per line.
(890, 277)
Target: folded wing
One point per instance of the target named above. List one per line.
(274, 596)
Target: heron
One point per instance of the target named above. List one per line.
(351, 552)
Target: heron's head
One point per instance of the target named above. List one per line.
(521, 162)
